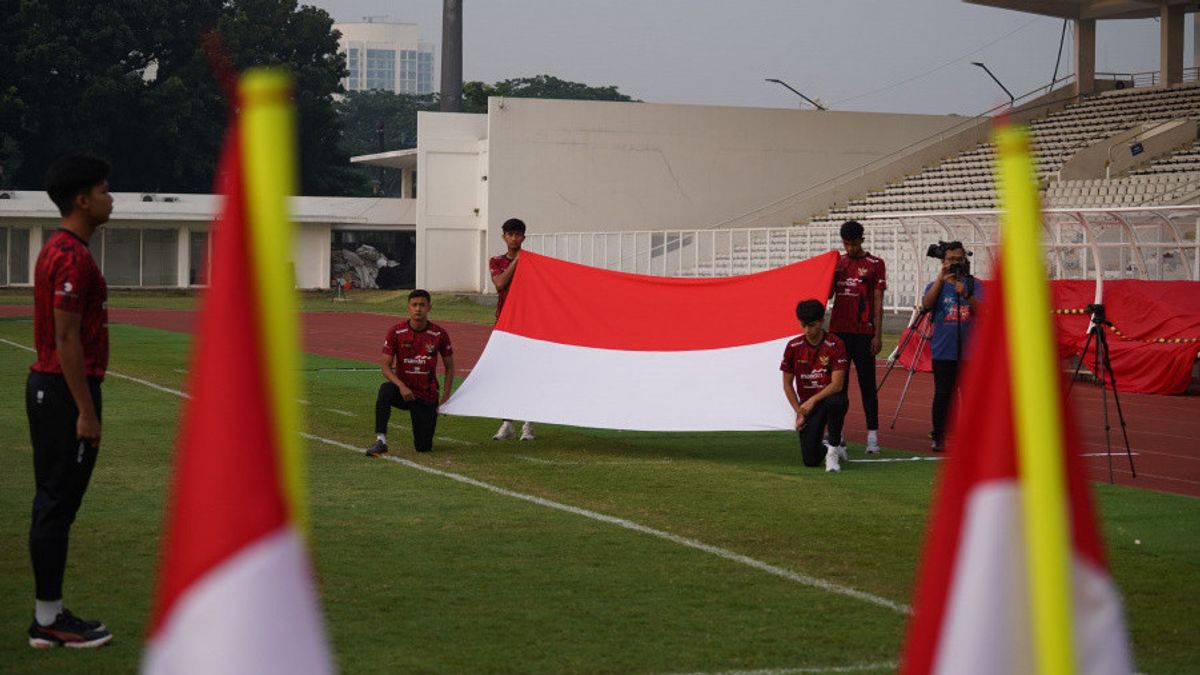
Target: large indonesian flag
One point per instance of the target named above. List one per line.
(588, 347)
(235, 590)
(1014, 578)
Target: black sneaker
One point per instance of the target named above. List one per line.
(68, 630)
(377, 448)
(936, 446)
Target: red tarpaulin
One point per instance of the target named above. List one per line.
(1154, 340)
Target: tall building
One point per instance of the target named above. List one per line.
(386, 56)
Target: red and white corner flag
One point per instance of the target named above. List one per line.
(235, 590)
(593, 348)
(1014, 578)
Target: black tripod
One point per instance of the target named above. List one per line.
(1102, 370)
(920, 326)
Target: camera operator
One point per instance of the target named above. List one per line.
(953, 298)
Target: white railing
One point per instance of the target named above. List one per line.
(1114, 243)
(1148, 78)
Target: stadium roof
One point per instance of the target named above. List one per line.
(1086, 9)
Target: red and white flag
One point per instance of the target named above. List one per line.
(593, 348)
(235, 589)
(1014, 578)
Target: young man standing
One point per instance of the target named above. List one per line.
(814, 381)
(502, 268)
(859, 281)
(409, 366)
(62, 393)
(954, 299)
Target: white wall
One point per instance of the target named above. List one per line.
(451, 200)
(591, 166)
(311, 255)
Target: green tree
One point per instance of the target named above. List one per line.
(475, 94)
(376, 121)
(73, 79)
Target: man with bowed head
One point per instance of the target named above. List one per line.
(814, 381)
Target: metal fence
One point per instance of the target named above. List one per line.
(1119, 243)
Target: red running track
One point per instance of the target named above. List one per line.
(1163, 430)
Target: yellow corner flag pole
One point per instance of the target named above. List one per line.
(1036, 405)
(268, 137)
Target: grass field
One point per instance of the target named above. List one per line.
(420, 572)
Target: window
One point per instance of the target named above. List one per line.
(381, 69)
(160, 253)
(123, 257)
(3, 256)
(354, 83)
(198, 252)
(18, 256)
(424, 73)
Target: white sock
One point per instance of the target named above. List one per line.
(872, 437)
(46, 611)
(382, 438)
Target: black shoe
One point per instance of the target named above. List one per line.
(377, 448)
(68, 630)
(936, 446)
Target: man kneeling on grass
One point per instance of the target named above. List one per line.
(814, 381)
(409, 364)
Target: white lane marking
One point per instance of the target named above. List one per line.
(598, 462)
(858, 668)
(725, 554)
(898, 459)
(343, 413)
(803, 579)
(1115, 453)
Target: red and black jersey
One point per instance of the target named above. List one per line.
(814, 365)
(497, 265)
(855, 281)
(414, 356)
(67, 278)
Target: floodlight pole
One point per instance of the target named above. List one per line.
(1012, 100)
(818, 106)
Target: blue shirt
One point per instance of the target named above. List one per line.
(949, 315)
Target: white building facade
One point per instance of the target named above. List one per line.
(589, 166)
(162, 241)
(387, 57)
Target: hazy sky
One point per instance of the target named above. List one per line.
(879, 55)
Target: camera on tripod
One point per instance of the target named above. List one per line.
(938, 250)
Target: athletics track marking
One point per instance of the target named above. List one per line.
(803, 579)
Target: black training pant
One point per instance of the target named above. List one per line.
(62, 467)
(945, 378)
(423, 413)
(828, 412)
(858, 348)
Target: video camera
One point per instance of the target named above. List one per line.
(938, 251)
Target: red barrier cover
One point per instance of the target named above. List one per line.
(1153, 342)
(1155, 335)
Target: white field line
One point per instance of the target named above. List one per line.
(859, 668)
(897, 459)
(726, 554)
(447, 439)
(803, 579)
(343, 413)
(599, 462)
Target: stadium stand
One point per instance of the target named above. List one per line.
(964, 182)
